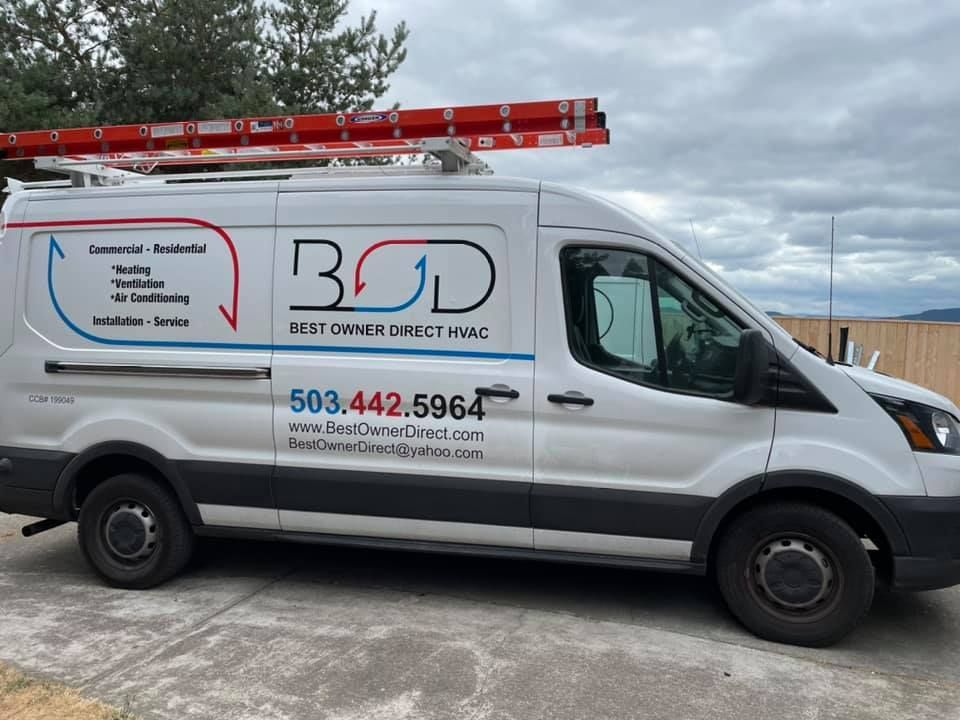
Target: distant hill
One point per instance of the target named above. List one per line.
(942, 315)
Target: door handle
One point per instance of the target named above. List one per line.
(564, 399)
(498, 392)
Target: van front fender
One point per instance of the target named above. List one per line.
(796, 483)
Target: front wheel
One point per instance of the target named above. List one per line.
(795, 573)
(134, 533)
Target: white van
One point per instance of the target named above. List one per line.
(453, 363)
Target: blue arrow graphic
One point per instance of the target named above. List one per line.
(56, 249)
(422, 267)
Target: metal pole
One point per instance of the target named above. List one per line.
(830, 304)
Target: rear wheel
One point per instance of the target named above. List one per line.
(134, 533)
(795, 573)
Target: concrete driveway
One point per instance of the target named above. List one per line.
(262, 630)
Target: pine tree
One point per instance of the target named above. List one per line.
(314, 68)
(49, 56)
(74, 63)
(181, 59)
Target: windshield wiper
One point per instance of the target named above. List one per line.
(808, 348)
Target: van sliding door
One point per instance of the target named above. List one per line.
(403, 365)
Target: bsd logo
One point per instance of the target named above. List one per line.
(431, 248)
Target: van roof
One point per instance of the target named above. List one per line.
(561, 206)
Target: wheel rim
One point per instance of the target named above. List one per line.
(794, 577)
(130, 532)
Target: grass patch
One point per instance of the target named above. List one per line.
(24, 698)
(17, 684)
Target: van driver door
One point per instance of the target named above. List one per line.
(636, 431)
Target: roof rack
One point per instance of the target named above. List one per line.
(122, 154)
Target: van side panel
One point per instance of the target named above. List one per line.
(145, 319)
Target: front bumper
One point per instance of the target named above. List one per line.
(27, 480)
(932, 529)
(910, 573)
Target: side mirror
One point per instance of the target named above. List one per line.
(753, 360)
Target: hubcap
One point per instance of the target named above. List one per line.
(131, 531)
(794, 574)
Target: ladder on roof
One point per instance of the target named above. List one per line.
(120, 154)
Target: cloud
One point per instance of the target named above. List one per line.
(757, 120)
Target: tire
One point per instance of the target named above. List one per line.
(795, 573)
(134, 533)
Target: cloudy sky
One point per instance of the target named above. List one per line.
(756, 120)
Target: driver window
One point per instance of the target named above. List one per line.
(699, 340)
(629, 316)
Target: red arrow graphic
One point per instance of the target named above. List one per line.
(358, 284)
(231, 315)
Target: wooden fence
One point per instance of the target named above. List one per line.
(924, 353)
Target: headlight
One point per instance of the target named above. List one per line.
(927, 429)
(946, 430)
